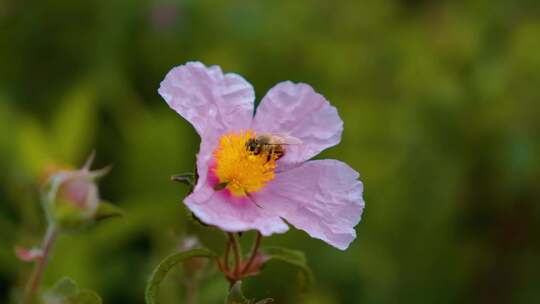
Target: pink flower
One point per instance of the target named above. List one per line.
(242, 189)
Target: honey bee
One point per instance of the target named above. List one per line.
(271, 145)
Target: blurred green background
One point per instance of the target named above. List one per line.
(441, 103)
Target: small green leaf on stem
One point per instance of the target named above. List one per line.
(66, 291)
(64, 288)
(166, 265)
(293, 257)
(87, 297)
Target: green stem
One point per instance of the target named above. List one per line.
(41, 263)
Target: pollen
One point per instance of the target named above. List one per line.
(239, 170)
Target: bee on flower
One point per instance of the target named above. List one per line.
(254, 170)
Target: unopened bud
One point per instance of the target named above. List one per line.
(28, 255)
(71, 197)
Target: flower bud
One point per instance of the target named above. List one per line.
(28, 255)
(71, 197)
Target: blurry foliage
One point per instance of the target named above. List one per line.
(66, 291)
(441, 108)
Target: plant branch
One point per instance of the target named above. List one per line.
(35, 279)
(236, 252)
(254, 253)
(226, 255)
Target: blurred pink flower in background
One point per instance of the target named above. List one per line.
(164, 15)
(240, 190)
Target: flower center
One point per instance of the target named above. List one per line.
(238, 168)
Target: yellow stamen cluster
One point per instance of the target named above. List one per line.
(238, 169)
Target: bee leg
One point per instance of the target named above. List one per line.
(270, 154)
(279, 154)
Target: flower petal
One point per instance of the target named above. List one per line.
(232, 214)
(297, 110)
(211, 101)
(321, 197)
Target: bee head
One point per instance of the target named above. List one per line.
(252, 145)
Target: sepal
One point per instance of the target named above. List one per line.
(28, 255)
(107, 210)
(66, 291)
(295, 258)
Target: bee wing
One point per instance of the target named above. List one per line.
(283, 139)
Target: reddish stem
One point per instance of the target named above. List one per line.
(236, 252)
(226, 256)
(191, 292)
(35, 279)
(254, 253)
(220, 265)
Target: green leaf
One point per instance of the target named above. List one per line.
(293, 257)
(166, 265)
(107, 210)
(87, 297)
(65, 287)
(34, 149)
(66, 291)
(73, 125)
